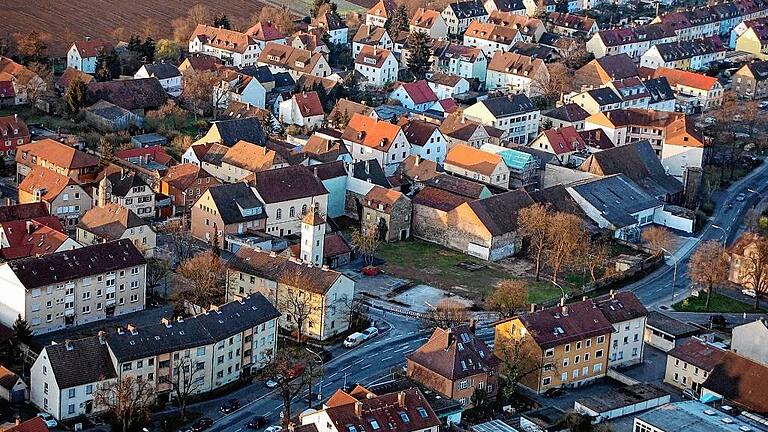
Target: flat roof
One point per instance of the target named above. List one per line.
(622, 397)
(493, 426)
(694, 416)
(669, 325)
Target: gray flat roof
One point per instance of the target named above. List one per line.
(694, 416)
(622, 397)
(669, 325)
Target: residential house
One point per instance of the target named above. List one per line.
(197, 62)
(663, 98)
(12, 388)
(280, 279)
(596, 100)
(460, 130)
(128, 189)
(531, 29)
(414, 172)
(426, 140)
(74, 287)
(295, 61)
(57, 157)
(265, 31)
(64, 197)
(446, 86)
(632, 41)
(696, 54)
(229, 132)
(460, 15)
(570, 341)
(491, 38)
(136, 95)
(368, 138)
(523, 167)
(233, 48)
(334, 26)
(318, 247)
(691, 24)
(689, 364)
(373, 36)
(754, 40)
(601, 71)
(512, 7)
(227, 209)
(751, 80)
(565, 143)
(534, 8)
(83, 54)
(69, 76)
(572, 25)
(18, 83)
(516, 73)
(303, 109)
(515, 114)
(455, 363)
(108, 117)
(428, 21)
(377, 67)
(30, 230)
(321, 148)
(309, 40)
(238, 87)
(665, 333)
(150, 162)
(13, 132)
(749, 341)
(737, 381)
(570, 114)
(457, 59)
(115, 222)
(405, 411)
(243, 159)
(627, 315)
(388, 212)
(596, 140)
(744, 258)
(185, 184)
(478, 165)
(693, 91)
(416, 96)
(288, 193)
(379, 13)
(168, 75)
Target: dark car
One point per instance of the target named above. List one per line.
(202, 424)
(257, 422)
(323, 355)
(717, 321)
(554, 392)
(230, 406)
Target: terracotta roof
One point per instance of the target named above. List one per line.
(741, 381)
(92, 47)
(369, 35)
(439, 199)
(57, 153)
(23, 212)
(387, 198)
(184, 175)
(32, 237)
(677, 126)
(686, 78)
(333, 246)
(424, 18)
(155, 153)
(309, 104)
(377, 55)
(324, 149)
(565, 140)
(228, 40)
(698, 353)
(331, 20)
(419, 91)
(516, 64)
(70, 74)
(252, 157)
(404, 411)
(35, 424)
(8, 379)
(111, 221)
(202, 62)
(52, 182)
(264, 31)
(744, 240)
(454, 353)
(490, 32)
(574, 22)
(350, 108)
(461, 52)
(524, 24)
(384, 8)
(13, 127)
(289, 183)
(473, 159)
(288, 57)
(283, 270)
(367, 131)
(15, 71)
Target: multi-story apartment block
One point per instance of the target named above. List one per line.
(73, 287)
(57, 157)
(627, 315)
(516, 115)
(569, 342)
(289, 284)
(232, 47)
(127, 189)
(751, 81)
(201, 353)
(689, 364)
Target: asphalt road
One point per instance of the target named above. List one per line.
(656, 290)
(366, 364)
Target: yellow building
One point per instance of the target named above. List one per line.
(751, 42)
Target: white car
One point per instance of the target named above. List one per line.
(48, 419)
(370, 332)
(275, 428)
(709, 120)
(272, 383)
(749, 292)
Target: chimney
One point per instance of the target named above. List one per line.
(166, 322)
(533, 307)
(472, 325)
(102, 337)
(401, 399)
(17, 420)
(87, 38)
(132, 329)
(179, 319)
(359, 409)
(562, 301)
(30, 227)
(120, 331)
(418, 159)
(68, 345)
(450, 338)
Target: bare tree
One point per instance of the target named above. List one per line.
(565, 234)
(187, 380)
(559, 81)
(36, 86)
(297, 301)
(594, 256)
(657, 238)
(517, 361)
(184, 26)
(180, 242)
(356, 311)
(157, 269)
(534, 226)
(291, 368)
(199, 90)
(126, 401)
(366, 242)
(509, 297)
(207, 277)
(708, 266)
(446, 314)
(755, 268)
(280, 17)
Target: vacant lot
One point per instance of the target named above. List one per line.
(718, 303)
(65, 21)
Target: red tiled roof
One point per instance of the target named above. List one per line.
(698, 353)
(371, 132)
(92, 47)
(264, 31)
(41, 178)
(35, 424)
(419, 91)
(565, 140)
(686, 78)
(154, 153)
(455, 354)
(60, 154)
(309, 104)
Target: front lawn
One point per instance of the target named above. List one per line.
(718, 303)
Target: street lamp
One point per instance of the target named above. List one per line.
(725, 233)
(320, 390)
(562, 291)
(674, 271)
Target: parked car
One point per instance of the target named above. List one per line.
(323, 355)
(554, 392)
(274, 382)
(689, 394)
(48, 419)
(354, 340)
(275, 428)
(230, 406)
(202, 424)
(763, 105)
(257, 422)
(741, 196)
(709, 120)
(749, 292)
(370, 332)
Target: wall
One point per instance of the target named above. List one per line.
(751, 341)
(630, 352)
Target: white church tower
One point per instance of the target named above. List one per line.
(312, 238)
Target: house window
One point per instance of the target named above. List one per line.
(71, 393)
(279, 214)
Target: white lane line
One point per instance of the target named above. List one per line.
(388, 349)
(402, 349)
(386, 358)
(332, 375)
(342, 370)
(366, 366)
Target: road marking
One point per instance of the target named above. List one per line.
(366, 366)
(402, 349)
(333, 375)
(342, 370)
(386, 358)
(238, 430)
(388, 349)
